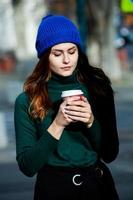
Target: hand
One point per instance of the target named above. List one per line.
(62, 118)
(79, 110)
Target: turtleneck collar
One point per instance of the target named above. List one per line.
(64, 80)
(57, 84)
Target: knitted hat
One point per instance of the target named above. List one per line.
(55, 29)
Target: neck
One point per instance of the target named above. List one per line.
(64, 80)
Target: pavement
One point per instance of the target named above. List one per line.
(18, 187)
(122, 167)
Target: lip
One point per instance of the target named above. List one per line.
(66, 67)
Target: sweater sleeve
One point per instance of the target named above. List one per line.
(32, 153)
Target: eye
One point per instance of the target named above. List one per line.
(72, 51)
(57, 54)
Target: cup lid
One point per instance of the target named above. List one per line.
(68, 93)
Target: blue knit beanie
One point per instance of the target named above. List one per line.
(55, 29)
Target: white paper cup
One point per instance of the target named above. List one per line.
(69, 93)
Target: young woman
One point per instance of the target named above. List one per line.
(66, 142)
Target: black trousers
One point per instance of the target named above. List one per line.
(64, 183)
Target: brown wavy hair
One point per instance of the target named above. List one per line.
(36, 89)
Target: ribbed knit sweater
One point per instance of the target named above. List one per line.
(36, 147)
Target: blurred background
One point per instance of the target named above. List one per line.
(106, 28)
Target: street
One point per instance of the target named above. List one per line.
(15, 186)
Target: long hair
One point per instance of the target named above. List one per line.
(94, 77)
(36, 89)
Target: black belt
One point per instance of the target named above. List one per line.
(77, 172)
(77, 178)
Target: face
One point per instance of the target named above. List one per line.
(63, 59)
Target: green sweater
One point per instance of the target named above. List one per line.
(35, 147)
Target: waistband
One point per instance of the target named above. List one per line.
(74, 169)
(76, 174)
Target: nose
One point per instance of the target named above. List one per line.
(66, 58)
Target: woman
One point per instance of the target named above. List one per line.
(66, 141)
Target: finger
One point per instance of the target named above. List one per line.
(64, 103)
(79, 106)
(84, 99)
(78, 118)
(76, 103)
(78, 109)
(72, 98)
(82, 103)
(78, 114)
(69, 119)
(63, 106)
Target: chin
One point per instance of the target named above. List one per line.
(66, 74)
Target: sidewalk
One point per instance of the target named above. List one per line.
(7, 155)
(124, 88)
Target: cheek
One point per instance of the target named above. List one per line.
(75, 60)
(54, 63)
(54, 67)
(75, 57)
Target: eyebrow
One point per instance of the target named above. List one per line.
(73, 47)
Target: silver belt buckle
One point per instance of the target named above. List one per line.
(75, 181)
(99, 171)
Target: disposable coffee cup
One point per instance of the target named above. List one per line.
(69, 93)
